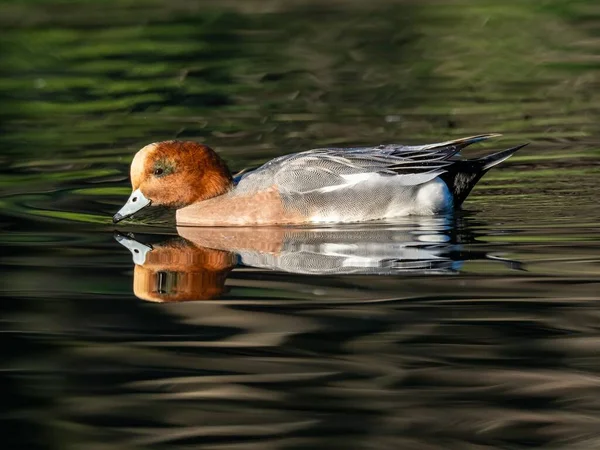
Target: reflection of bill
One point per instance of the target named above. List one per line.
(194, 266)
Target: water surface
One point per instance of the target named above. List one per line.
(478, 331)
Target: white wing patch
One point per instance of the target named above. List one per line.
(358, 177)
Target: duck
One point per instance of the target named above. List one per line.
(318, 186)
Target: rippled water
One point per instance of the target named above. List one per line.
(477, 331)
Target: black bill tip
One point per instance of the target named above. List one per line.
(117, 218)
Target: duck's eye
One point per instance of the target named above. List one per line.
(163, 168)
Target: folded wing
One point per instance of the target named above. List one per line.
(330, 168)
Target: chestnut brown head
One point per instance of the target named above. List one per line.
(174, 174)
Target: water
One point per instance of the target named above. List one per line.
(478, 331)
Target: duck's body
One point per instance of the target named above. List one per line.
(360, 199)
(329, 185)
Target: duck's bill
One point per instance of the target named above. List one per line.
(137, 249)
(136, 202)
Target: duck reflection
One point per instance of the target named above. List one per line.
(195, 265)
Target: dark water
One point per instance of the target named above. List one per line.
(479, 331)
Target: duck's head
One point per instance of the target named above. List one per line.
(174, 174)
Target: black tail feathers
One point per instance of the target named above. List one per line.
(463, 175)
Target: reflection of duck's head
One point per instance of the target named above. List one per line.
(177, 270)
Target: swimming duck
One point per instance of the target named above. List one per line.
(325, 185)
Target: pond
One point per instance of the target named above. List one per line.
(479, 330)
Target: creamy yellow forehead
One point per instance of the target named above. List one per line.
(138, 165)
